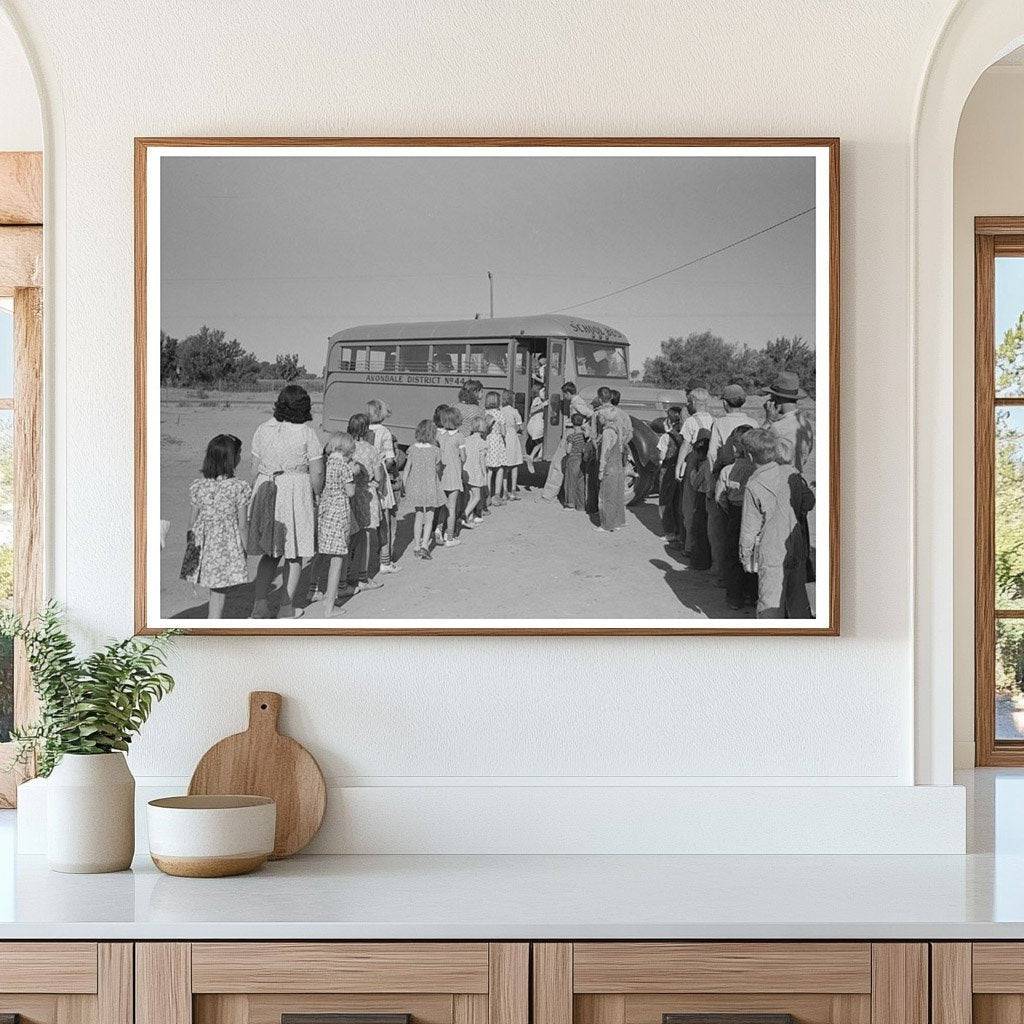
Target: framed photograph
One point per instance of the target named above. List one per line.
(487, 386)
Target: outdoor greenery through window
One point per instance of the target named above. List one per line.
(1009, 497)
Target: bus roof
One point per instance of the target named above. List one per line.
(547, 325)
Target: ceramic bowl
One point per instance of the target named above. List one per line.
(211, 836)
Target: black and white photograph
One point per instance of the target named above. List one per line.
(477, 387)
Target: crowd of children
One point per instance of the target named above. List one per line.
(334, 506)
(733, 494)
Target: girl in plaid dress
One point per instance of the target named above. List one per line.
(334, 514)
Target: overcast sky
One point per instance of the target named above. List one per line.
(281, 252)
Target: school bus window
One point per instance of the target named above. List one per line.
(449, 357)
(597, 359)
(556, 359)
(345, 357)
(383, 358)
(413, 358)
(487, 360)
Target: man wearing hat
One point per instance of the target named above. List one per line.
(793, 429)
(735, 397)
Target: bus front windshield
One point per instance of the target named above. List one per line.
(599, 359)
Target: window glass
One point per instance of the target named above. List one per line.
(383, 358)
(556, 359)
(414, 358)
(597, 359)
(1009, 679)
(449, 357)
(1009, 323)
(346, 357)
(1009, 510)
(488, 359)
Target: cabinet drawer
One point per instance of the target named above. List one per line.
(750, 982)
(262, 982)
(48, 967)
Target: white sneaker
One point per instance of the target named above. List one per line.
(452, 542)
(389, 568)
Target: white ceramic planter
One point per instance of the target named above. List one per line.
(90, 814)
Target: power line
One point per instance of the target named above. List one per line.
(683, 266)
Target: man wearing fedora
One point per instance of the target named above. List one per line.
(793, 428)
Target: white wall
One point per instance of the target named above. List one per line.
(21, 125)
(988, 181)
(450, 714)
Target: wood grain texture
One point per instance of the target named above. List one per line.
(755, 967)
(552, 983)
(226, 1009)
(599, 1009)
(262, 762)
(21, 257)
(76, 1009)
(65, 967)
(899, 989)
(851, 1009)
(32, 1009)
(115, 983)
(339, 967)
(467, 1009)
(951, 983)
(806, 1008)
(21, 188)
(997, 967)
(509, 983)
(163, 983)
(998, 1009)
(144, 144)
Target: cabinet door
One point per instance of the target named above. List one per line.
(66, 982)
(332, 983)
(980, 982)
(737, 982)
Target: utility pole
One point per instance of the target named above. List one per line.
(490, 285)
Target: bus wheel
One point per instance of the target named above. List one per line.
(639, 479)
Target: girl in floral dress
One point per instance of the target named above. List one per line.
(220, 521)
(334, 514)
(496, 447)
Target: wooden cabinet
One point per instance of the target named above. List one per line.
(66, 982)
(260, 982)
(815, 982)
(980, 982)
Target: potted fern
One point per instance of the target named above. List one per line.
(89, 710)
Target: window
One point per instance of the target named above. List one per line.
(999, 491)
(383, 358)
(596, 359)
(346, 357)
(488, 360)
(414, 358)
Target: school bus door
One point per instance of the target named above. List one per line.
(556, 378)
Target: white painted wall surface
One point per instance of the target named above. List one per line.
(438, 716)
(988, 181)
(21, 125)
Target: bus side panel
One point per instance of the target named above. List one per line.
(346, 393)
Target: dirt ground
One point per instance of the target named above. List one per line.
(528, 559)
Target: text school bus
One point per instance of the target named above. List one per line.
(415, 367)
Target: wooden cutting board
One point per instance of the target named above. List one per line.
(262, 762)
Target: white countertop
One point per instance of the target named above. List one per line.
(532, 897)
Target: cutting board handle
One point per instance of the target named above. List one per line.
(264, 711)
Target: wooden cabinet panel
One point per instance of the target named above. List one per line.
(68, 967)
(757, 967)
(899, 983)
(238, 1008)
(340, 967)
(998, 967)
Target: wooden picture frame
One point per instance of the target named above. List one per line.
(148, 619)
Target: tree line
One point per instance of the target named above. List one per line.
(208, 359)
(706, 359)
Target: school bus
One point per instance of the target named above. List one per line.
(415, 367)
